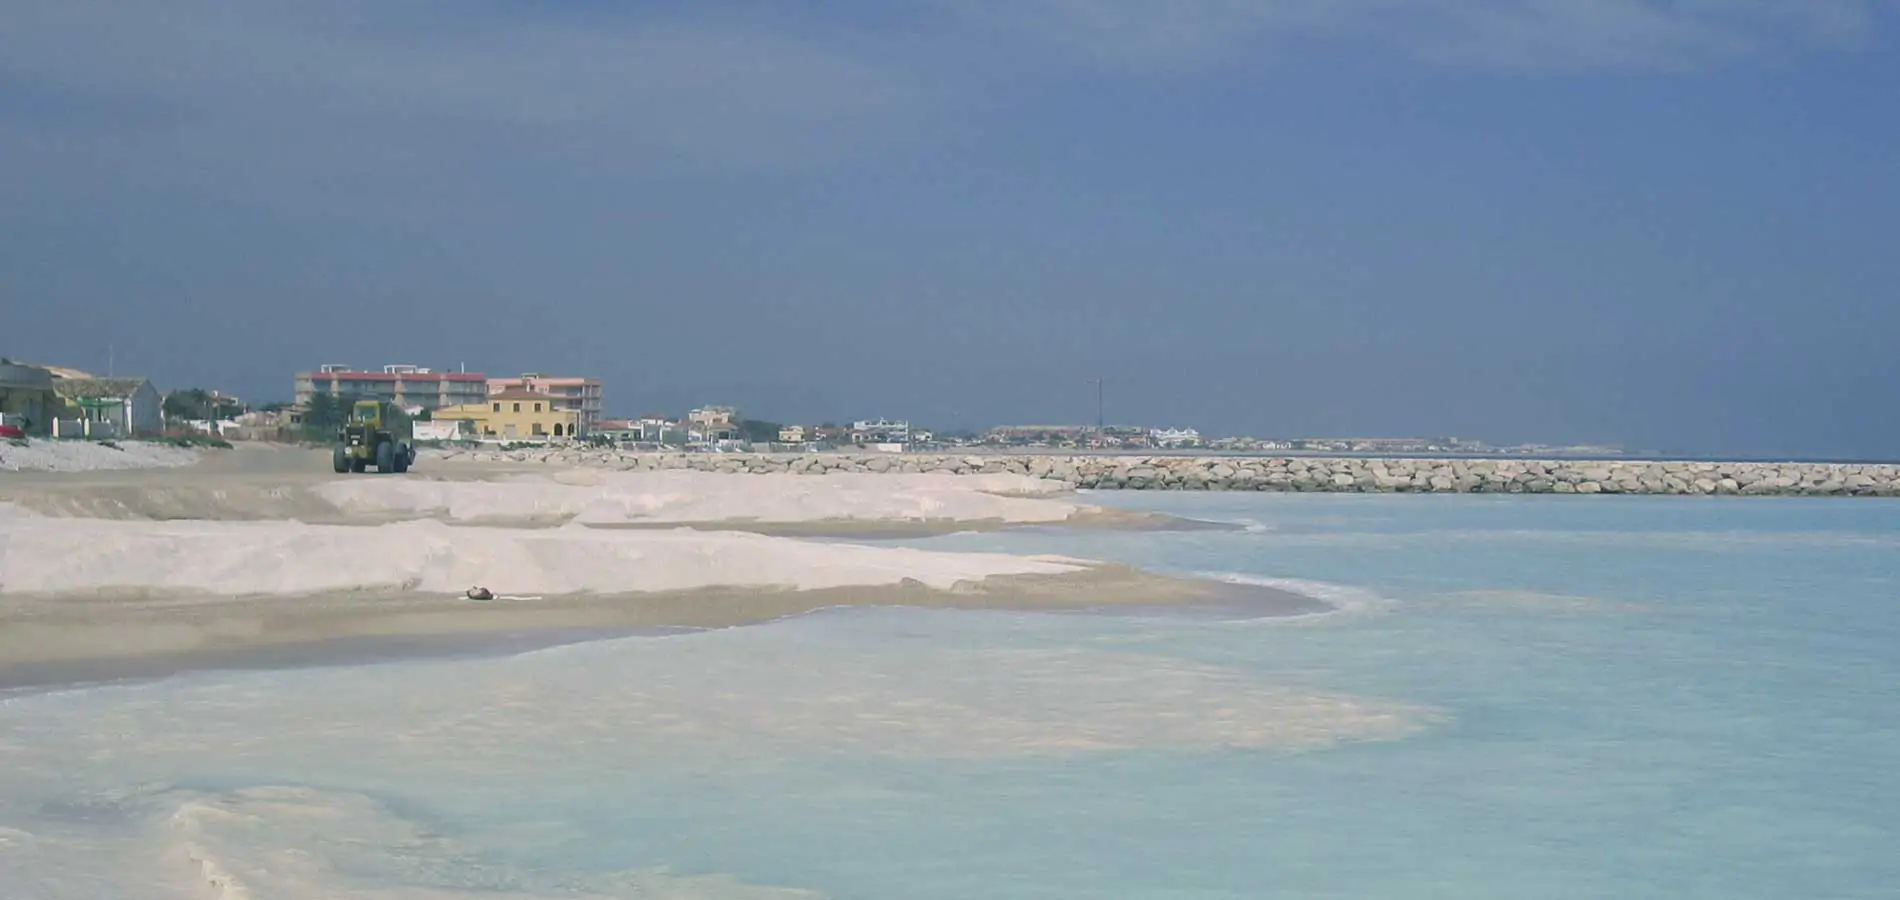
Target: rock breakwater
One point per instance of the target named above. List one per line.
(1301, 474)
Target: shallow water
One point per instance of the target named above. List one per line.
(1628, 697)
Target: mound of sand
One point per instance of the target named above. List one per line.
(53, 556)
(867, 505)
(680, 497)
(90, 456)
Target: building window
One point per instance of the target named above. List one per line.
(517, 407)
(498, 407)
(537, 429)
(557, 429)
(537, 407)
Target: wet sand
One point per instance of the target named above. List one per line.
(79, 638)
(907, 529)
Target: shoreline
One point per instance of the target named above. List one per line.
(69, 674)
(1087, 519)
(67, 639)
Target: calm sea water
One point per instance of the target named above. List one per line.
(1548, 697)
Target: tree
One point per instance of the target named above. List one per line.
(191, 403)
(180, 405)
(199, 404)
(759, 432)
(324, 414)
(394, 419)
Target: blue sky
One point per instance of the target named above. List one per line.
(1667, 224)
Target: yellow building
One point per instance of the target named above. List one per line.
(527, 415)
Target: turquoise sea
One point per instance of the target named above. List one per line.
(1519, 697)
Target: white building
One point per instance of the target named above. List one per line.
(713, 423)
(880, 431)
(123, 406)
(1175, 437)
(659, 430)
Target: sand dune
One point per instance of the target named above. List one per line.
(90, 456)
(845, 503)
(699, 497)
(53, 556)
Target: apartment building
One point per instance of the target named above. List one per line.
(406, 386)
(579, 394)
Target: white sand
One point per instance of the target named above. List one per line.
(673, 497)
(90, 456)
(50, 556)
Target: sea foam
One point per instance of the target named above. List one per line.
(300, 843)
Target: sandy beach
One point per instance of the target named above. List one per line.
(257, 483)
(254, 557)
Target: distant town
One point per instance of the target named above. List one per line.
(538, 407)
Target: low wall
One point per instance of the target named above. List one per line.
(83, 428)
(1306, 474)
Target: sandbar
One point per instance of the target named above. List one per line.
(104, 634)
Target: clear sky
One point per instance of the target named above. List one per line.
(1673, 224)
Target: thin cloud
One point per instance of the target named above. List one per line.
(1597, 34)
(404, 103)
(721, 94)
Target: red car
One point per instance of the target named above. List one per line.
(11, 431)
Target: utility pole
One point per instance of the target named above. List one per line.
(1098, 403)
